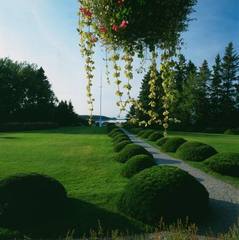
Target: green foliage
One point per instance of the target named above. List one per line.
(146, 20)
(147, 133)
(163, 192)
(9, 234)
(130, 151)
(120, 139)
(224, 163)
(162, 141)
(114, 132)
(30, 199)
(155, 136)
(172, 144)
(119, 146)
(232, 131)
(135, 130)
(136, 164)
(195, 151)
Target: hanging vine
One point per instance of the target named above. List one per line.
(134, 27)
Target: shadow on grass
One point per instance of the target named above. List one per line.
(80, 219)
(9, 138)
(74, 130)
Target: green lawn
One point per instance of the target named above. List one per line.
(82, 159)
(221, 142)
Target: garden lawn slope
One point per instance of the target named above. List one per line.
(221, 142)
(82, 159)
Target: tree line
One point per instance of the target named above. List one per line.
(204, 98)
(26, 96)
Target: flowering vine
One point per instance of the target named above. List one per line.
(134, 27)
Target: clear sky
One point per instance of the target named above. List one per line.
(44, 32)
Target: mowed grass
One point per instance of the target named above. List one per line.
(221, 142)
(82, 159)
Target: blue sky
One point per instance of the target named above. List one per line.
(44, 32)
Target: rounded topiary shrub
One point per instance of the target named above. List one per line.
(172, 144)
(30, 199)
(162, 141)
(232, 131)
(147, 133)
(129, 151)
(155, 136)
(115, 131)
(136, 164)
(120, 139)
(163, 192)
(224, 163)
(118, 147)
(195, 151)
(135, 130)
(142, 132)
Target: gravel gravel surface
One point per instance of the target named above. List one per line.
(224, 198)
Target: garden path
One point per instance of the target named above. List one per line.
(224, 198)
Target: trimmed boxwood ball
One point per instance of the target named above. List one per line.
(195, 151)
(147, 133)
(114, 131)
(155, 136)
(136, 164)
(224, 163)
(142, 132)
(120, 138)
(162, 141)
(118, 147)
(172, 144)
(129, 151)
(163, 192)
(30, 199)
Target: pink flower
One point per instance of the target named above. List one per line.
(124, 24)
(120, 2)
(103, 29)
(86, 12)
(115, 28)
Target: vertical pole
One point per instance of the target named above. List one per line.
(100, 122)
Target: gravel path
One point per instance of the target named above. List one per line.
(224, 198)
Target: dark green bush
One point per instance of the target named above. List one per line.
(135, 130)
(136, 164)
(141, 132)
(155, 136)
(172, 144)
(163, 192)
(232, 131)
(8, 234)
(30, 200)
(224, 163)
(147, 133)
(130, 151)
(118, 147)
(120, 138)
(115, 131)
(110, 127)
(195, 151)
(162, 141)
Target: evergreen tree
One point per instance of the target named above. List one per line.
(201, 97)
(144, 98)
(230, 78)
(216, 93)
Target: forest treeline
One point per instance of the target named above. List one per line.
(204, 98)
(26, 96)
